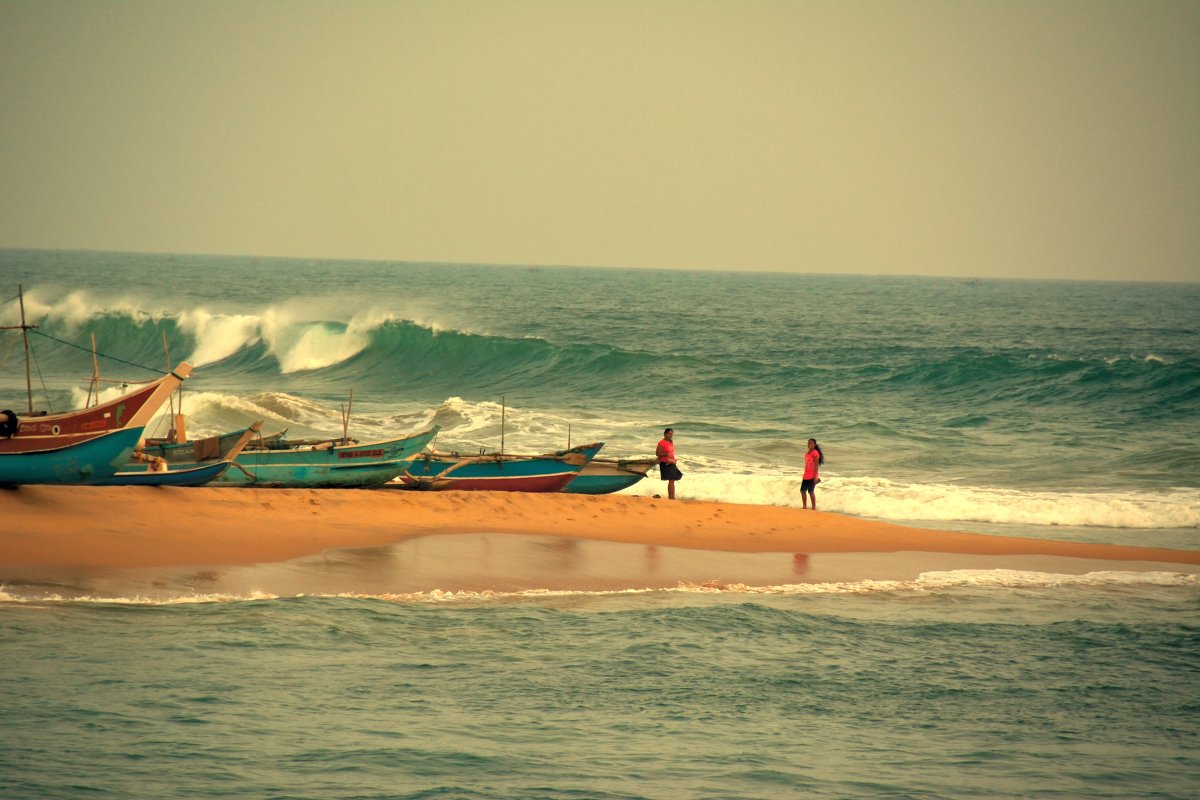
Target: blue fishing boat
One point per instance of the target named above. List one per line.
(608, 475)
(308, 464)
(186, 476)
(198, 452)
(548, 472)
(148, 469)
(87, 461)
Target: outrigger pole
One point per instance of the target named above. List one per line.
(177, 430)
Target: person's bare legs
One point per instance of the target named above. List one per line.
(670, 490)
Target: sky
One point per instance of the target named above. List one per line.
(1039, 138)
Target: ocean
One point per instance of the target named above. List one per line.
(1046, 409)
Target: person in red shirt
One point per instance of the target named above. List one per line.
(668, 470)
(808, 485)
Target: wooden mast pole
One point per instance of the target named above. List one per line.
(346, 411)
(177, 430)
(25, 336)
(95, 385)
(25, 328)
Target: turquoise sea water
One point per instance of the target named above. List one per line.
(1044, 409)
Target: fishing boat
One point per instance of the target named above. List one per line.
(201, 452)
(85, 461)
(608, 475)
(186, 476)
(41, 447)
(342, 463)
(149, 469)
(36, 432)
(548, 472)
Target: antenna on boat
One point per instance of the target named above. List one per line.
(178, 429)
(24, 327)
(94, 386)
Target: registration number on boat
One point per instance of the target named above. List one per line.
(361, 454)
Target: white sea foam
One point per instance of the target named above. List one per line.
(467, 424)
(925, 582)
(218, 336)
(276, 409)
(880, 498)
(136, 600)
(296, 333)
(212, 413)
(1019, 578)
(78, 307)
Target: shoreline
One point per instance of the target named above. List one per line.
(128, 527)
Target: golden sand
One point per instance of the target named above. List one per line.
(133, 527)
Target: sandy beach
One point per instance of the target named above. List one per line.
(134, 536)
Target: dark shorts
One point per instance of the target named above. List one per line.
(669, 472)
(808, 484)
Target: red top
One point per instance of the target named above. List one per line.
(810, 464)
(666, 451)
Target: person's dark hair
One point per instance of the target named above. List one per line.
(668, 430)
(820, 455)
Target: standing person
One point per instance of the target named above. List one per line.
(808, 486)
(668, 470)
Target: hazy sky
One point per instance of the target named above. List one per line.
(1042, 138)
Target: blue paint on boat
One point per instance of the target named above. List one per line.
(85, 462)
(608, 475)
(188, 476)
(549, 472)
(197, 452)
(345, 466)
(601, 484)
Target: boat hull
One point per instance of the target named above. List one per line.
(498, 473)
(600, 484)
(349, 466)
(605, 476)
(84, 462)
(187, 476)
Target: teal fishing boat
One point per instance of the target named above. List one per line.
(608, 475)
(197, 452)
(186, 476)
(86, 461)
(310, 464)
(504, 472)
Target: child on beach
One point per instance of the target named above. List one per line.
(668, 470)
(808, 485)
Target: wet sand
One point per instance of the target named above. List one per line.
(124, 538)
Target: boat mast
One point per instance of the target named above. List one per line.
(502, 408)
(174, 432)
(24, 328)
(346, 410)
(94, 386)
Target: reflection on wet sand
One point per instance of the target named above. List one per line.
(509, 563)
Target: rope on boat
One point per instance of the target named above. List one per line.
(103, 355)
(253, 478)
